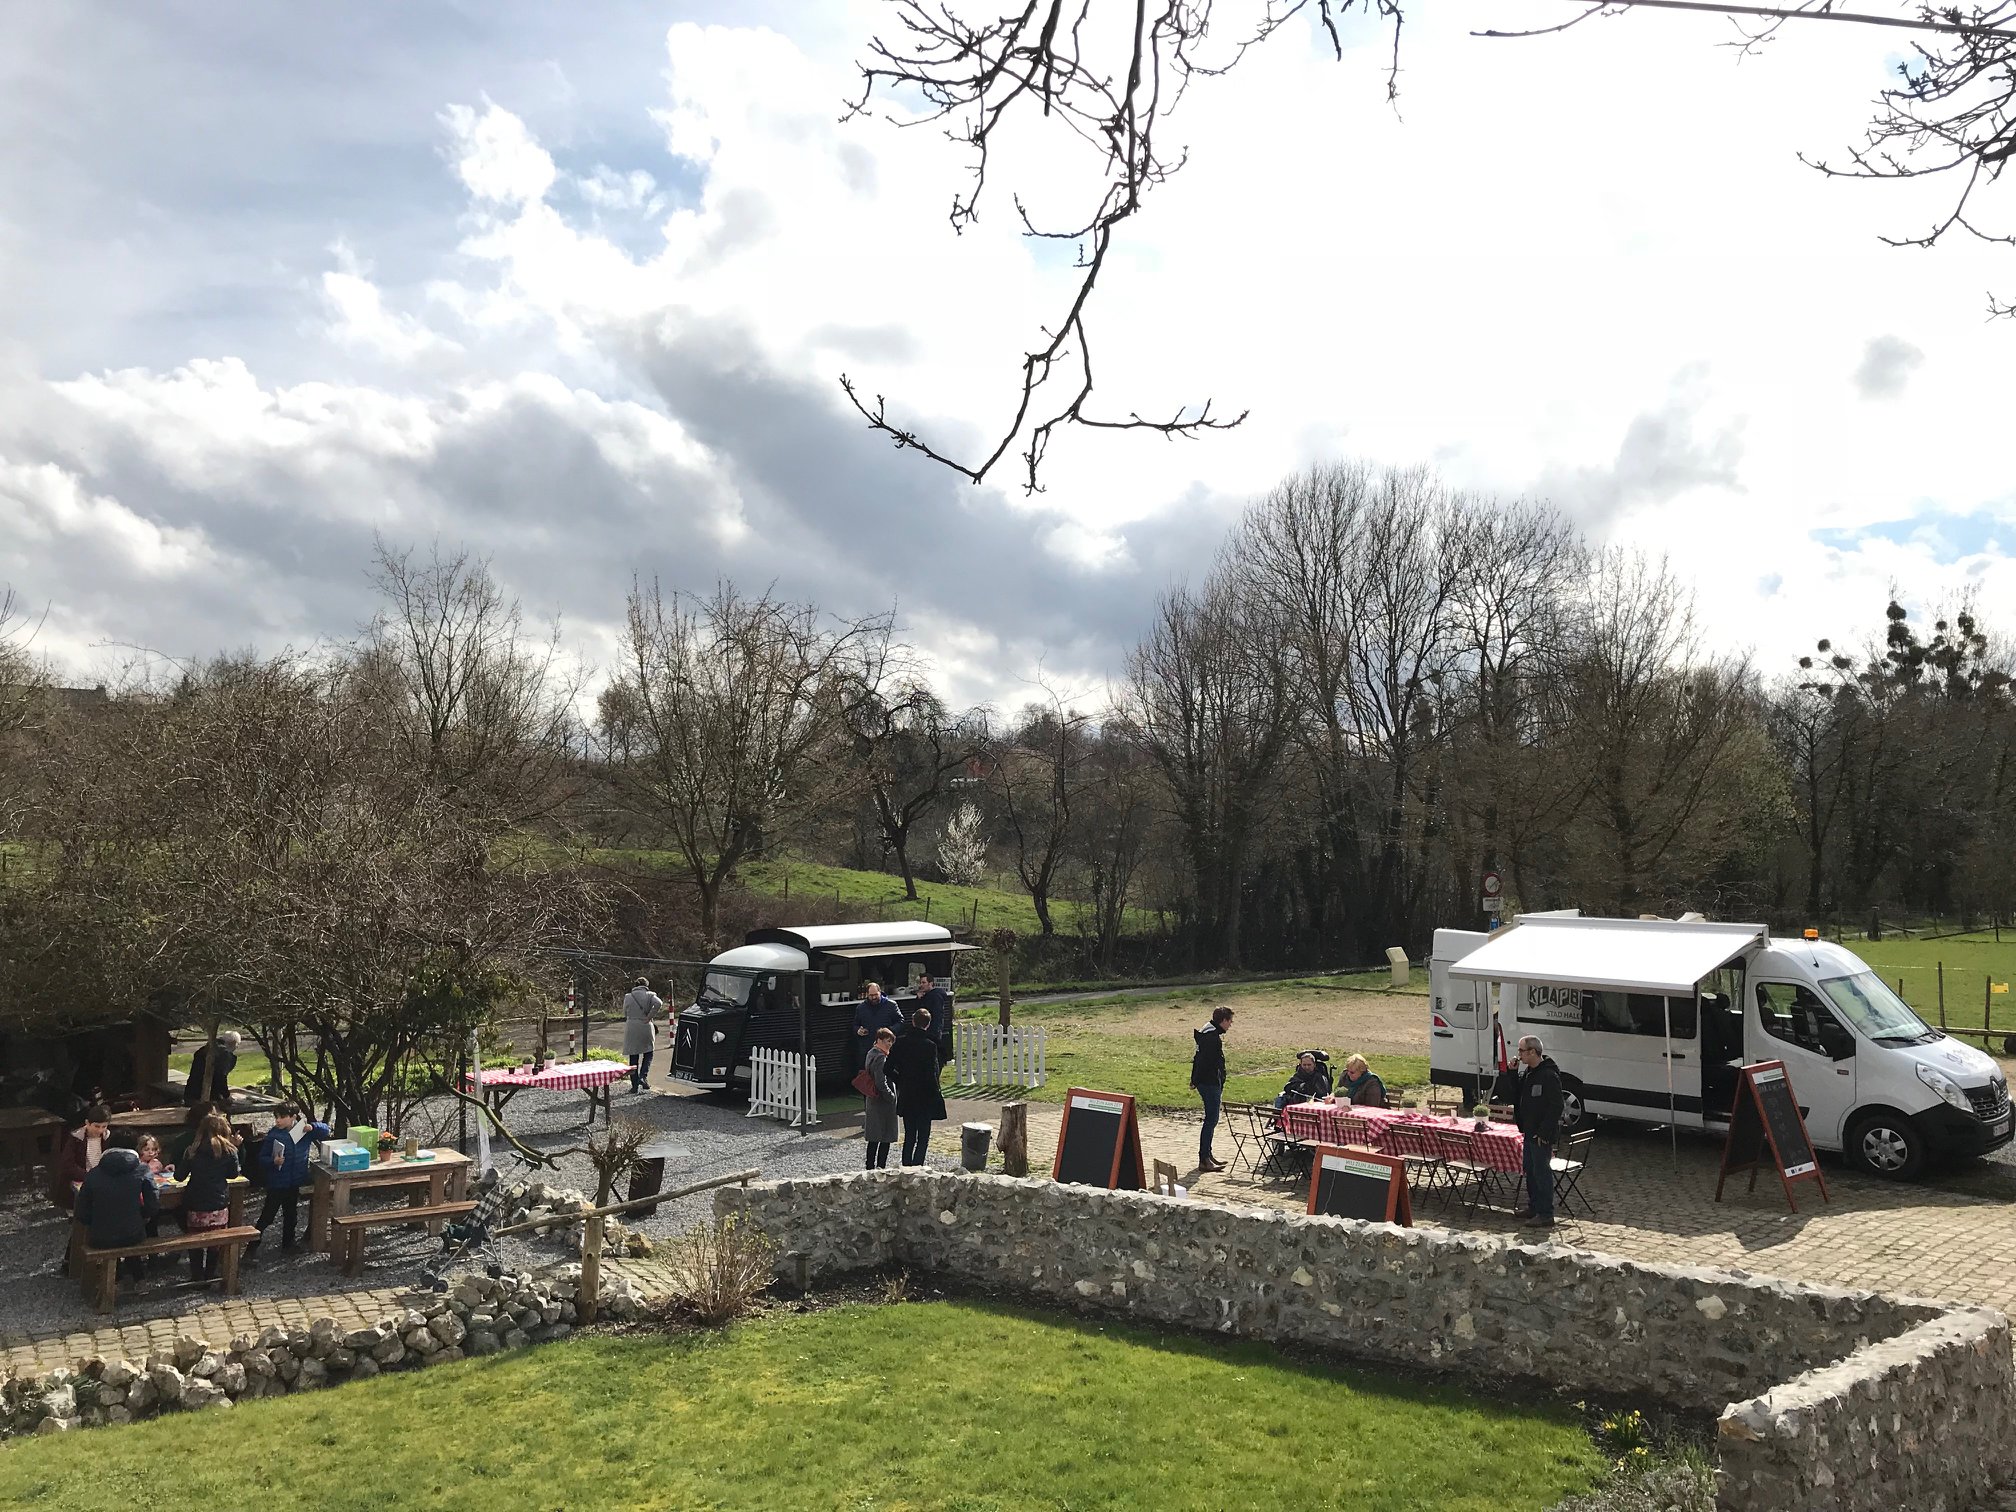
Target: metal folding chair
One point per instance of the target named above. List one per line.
(1568, 1166)
(1427, 1170)
(1235, 1118)
(1466, 1166)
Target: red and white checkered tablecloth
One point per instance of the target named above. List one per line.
(1498, 1145)
(578, 1076)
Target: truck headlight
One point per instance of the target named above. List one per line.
(1947, 1088)
(719, 1036)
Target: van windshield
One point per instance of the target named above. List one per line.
(727, 987)
(1867, 1003)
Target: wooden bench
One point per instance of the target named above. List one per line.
(100, 1267)
(349, 1228)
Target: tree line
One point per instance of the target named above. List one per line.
(1379, 690)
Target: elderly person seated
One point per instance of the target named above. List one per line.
(1361, 1087)
(1311, 1081)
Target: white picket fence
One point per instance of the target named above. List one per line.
(986, 1055)
(783, 1084)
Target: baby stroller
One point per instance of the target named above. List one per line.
(466, 1235)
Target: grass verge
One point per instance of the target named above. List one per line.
(926, 1405)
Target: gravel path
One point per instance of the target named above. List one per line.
(713, 1139)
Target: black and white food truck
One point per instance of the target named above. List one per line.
(797, 989)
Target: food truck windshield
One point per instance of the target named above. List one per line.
(727, 987)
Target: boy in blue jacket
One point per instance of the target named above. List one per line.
(282, 1158)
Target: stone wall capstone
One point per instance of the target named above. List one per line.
(1837, 1382)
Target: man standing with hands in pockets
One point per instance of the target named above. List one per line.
(1538, 1114)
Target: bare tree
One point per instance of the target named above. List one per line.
(1213, 708)
(1113, 76)
(489, 710)
(1034, 777)
(728, 723)
(910, 747)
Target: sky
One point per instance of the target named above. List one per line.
(572, 288)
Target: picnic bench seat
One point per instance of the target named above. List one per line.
(350, 1227)
(100, 1267)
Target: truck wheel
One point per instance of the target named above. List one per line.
(1885, 1144)
(1575, 1113)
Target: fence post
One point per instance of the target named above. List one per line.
(1941, 967)
(1015, 1138)
(461, 1108)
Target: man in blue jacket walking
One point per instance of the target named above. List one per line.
(282, 1160)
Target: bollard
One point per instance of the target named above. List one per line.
(973, 1142)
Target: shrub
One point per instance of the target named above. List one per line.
(720, 1268)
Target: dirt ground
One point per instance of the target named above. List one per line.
(1341, 1021)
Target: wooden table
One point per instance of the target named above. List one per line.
(160, 1122)
(169, 1194)
(28, 1138)
(446, 1175)
(593, 1077)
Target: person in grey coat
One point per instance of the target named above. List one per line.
(641, 1007)
(878, 1126)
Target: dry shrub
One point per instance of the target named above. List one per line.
(720, 1268)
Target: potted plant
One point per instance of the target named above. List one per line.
(1481, 1112)
(387, 1142)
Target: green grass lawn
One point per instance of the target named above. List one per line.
(1971, 961)
(904, 1408)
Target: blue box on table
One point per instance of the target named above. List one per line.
(346, 1155)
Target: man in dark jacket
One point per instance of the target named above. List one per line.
(1538, 1114)
(115, 1202)
(1207, 1075)
(913, 1067)
(873, 1012)
(937, 1002)
(210, 1071)
(1310, 1082)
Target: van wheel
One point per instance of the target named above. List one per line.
(1884, 1144)
(1575, 1113)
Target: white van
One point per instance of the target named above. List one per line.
(1651, 1019)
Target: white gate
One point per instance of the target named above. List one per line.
(986, 1055)
(783, 1084)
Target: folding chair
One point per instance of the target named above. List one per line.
(1466, 1166)
(1353, 1130)
(1235, 1118)
(1570, 1161)
(1278, 1149)
(1445, 1099)
(1427, 1170)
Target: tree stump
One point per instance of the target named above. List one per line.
(1015, 1138)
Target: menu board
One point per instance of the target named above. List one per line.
(1100, 1142)
(1355, 1183)
(1766, 1128)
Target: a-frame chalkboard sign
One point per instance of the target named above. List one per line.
(1354, 1183)
(1766, 1128)
(1100, 1142)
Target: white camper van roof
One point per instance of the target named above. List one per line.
(1632, 955)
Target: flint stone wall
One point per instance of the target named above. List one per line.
(1835, 1399)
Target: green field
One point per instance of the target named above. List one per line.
(1971, 962)
(903, 1408)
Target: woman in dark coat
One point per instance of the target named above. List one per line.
(878, 1127)
(913, 1066)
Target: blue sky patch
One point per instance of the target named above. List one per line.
(1948, 537)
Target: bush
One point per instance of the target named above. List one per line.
(719, 1269)
(1641, 1483)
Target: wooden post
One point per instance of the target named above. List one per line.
(590, 1290)
(1015, 1138)
(1942, 994)
(1002, 943)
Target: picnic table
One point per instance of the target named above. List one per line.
(169, 1194)
(593, 1077)
(445, 1172)
(1499, 1146)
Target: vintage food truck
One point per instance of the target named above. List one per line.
(797, 989)
(1652, 1019)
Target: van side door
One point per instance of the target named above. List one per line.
(1629, 1057)
(1791, 1023)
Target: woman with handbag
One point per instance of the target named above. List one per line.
(878, 1125)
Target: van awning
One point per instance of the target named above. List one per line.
(1630, 955)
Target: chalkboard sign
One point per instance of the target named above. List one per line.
(1766, 1127)
(1100, 1142)
(1355, 1183)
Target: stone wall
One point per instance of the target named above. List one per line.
(1843, 1385)
(479, 1314)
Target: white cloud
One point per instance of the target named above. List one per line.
(495, 156)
